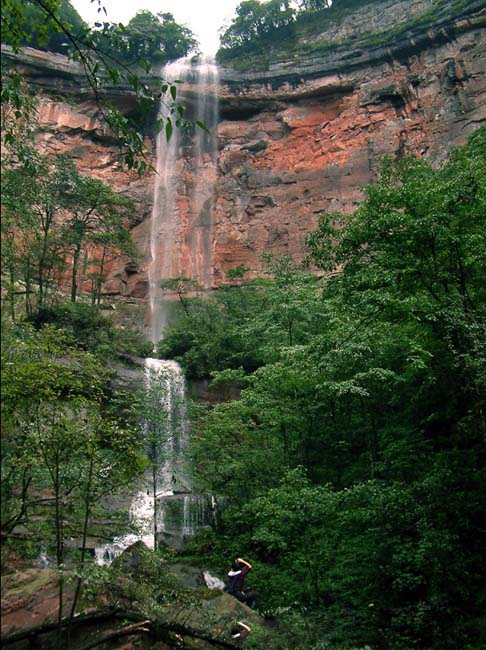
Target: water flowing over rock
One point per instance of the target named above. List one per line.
(181, 230)
(164, 507)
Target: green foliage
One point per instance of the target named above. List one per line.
(257, 21)
(102, 53)
(314, 18)
(203, 338)
(147, 38)
(61, 451)
(99, 219)
(27, 25)
(353, 462)
(19, 108)
(237, 272)
(92, 331)
(244, 325)
(55, 216)
(258, 25)
(52, 393)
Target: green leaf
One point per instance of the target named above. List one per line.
(168, 129)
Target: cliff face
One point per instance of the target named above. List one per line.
(301, 137)
(70, 123)
(310, 135)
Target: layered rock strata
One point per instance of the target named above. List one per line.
(299, 138)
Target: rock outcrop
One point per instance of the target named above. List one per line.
(145, 602)
(302, 136)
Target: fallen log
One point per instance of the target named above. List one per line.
(136, 628)
(141, 625)
(79, 619)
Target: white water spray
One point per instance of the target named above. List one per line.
(182, 213)
(166, 439)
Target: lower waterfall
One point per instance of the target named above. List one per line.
(163, 509)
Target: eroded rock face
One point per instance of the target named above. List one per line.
(300, 138)
(75, 129)
(311, 146)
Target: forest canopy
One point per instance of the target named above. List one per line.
(148, 37)
(47, 26)
(25, 24)
(257, 22)
(354, 457)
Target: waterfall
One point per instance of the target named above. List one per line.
(180, 245)
(182, 213)
(164, 505)
(166, 422)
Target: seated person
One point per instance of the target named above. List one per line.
(236, 581)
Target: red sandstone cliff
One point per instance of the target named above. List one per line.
(297, 139)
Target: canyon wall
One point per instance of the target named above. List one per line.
(300, 137)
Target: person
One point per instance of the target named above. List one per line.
(240, 631)
(236, 582)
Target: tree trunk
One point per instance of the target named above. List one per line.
(151, 627)
(11, 293)
(154, 496)
(41, 267)
(99, 279)
(87, 513)
(74, 276)
(28, 306)
(59, 554)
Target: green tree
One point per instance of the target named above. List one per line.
(101, 68)
(314, 5)
(57, 440)
(256, 21)
(111, 459)
(247, 324)
(181, 286)
(18, 192)
(35, 31)
(148, 38)
(34, 199)
(52, 213)
(379, 395)
(291, 315)
(97, 215)
(415, 250)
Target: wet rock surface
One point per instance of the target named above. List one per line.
(29, 599)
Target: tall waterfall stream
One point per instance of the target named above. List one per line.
(177, 238)
(181, 232)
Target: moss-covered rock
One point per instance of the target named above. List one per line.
(30, 599)
(140, 586)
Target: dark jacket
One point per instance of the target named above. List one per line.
(237, 582)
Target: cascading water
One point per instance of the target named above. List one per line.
(180, 245)
(182, 213)
(164, 508)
